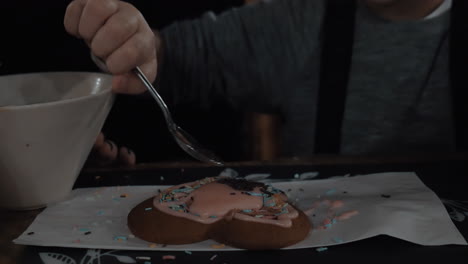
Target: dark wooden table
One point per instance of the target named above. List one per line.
(445, 174)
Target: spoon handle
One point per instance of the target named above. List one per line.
(155, 94)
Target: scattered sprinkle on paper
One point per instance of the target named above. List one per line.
(337, 240)
(148, 209)
(218, 246)
(166, 257)
(120, 238)
(188, 252)
(213, 257)
(321, 249)
(30, 233)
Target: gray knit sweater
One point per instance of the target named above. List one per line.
(266, 56)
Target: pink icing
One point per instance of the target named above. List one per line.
(207, 201)
(218, 199)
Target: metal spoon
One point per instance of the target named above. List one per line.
(183, 139)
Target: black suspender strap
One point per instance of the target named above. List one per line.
(459, 70)
(337, 45)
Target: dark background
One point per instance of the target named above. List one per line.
(33, 39)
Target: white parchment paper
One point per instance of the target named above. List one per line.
(394, 204)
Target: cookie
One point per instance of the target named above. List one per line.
(232, 211)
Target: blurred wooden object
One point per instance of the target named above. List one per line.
(264, 136)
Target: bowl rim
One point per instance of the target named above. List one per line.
(59, 102)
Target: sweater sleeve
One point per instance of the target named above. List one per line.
(248, 56)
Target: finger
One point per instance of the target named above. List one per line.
(108, 152)
(99, 141)
(129, 83)
(94, 15)
(136, 51)
(127, 157)
(71, 21)
(116, 30)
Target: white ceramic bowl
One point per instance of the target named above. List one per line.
(48, 125)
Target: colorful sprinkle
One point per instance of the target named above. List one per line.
(347, 215)
(143, 258)
(337, 240)
(385, 196)
(255, 194)
(100, 212)
(124, 195)
(188, 252)
(218, 246)
(148, 209)
(321, 249)
(120, 238)
(87, 233)
(30, 233)
(330, 192)
(213, 257)
(84, 229)
(152, 245)
(166, 257)
(336, 204)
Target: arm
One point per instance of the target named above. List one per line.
(249, 55)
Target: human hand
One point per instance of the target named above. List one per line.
(107, 153)
(118, 33)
